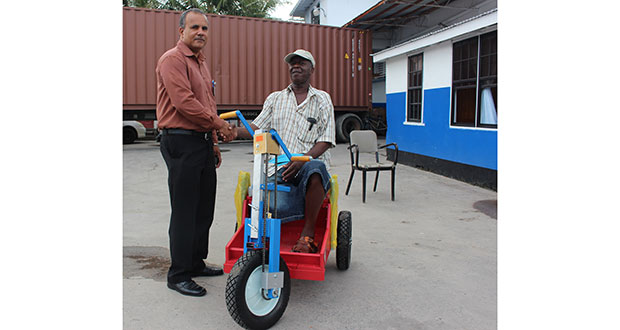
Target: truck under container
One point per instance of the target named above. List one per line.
(245, 57)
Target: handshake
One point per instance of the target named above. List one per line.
(227, 133)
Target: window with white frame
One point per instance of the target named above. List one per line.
(414, 88)
(474, 81)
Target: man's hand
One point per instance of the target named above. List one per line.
(218, 156)
(227, 133)
(292, 168)
(242, 132)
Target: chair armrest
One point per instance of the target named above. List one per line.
(389, 144)
(351, 148)
(396, 150)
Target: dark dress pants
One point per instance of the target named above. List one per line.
(192, 185)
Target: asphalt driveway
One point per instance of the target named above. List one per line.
(428, 260)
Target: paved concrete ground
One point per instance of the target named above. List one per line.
(425, 261)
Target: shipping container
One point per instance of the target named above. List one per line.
(245, 57)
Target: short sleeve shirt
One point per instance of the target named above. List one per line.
(281, 112)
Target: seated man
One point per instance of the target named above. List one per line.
(303, 116)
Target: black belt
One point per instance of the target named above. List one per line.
(180, 131)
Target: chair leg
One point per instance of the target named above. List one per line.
(364, 186)
(376, 179)
(393, 175)
(350, 180)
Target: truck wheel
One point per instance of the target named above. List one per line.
(129, 135)
(344, 240)
(345, 124)
(244, 294)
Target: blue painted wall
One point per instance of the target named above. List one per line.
(436, 138)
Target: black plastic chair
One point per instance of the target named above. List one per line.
(365, 143)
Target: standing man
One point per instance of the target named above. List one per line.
(186, 112)
(303, 116)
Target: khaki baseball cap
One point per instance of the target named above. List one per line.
(301, 53)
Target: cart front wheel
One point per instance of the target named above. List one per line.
(245, 300)
(344, 240)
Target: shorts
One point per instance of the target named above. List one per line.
(291, 205)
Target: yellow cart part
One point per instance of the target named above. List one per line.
(243, 183)
(333, 201)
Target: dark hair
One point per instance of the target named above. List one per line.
(194, 10)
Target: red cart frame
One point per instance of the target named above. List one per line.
(303, 266)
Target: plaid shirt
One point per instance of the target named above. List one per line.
(281, 112)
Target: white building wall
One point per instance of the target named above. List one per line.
(396, 74)
(437, 71)
(437, 50)
(437, 66)
(339, 12)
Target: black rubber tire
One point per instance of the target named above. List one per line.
(344, 240)
(129, 135)
(345, 124)
(235, 293)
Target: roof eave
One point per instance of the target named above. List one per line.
(472, 24)
(360, 16)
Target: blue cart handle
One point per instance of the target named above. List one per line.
(274, 134)
(237, 113)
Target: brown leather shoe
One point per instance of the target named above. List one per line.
(305, 244)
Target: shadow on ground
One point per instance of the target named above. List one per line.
(488, 207)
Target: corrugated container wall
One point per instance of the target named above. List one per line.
(245, 56)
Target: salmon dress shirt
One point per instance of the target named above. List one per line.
(185, 92)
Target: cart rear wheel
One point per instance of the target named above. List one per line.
(244, 295)
(344, 240)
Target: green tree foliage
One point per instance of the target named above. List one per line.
(142, 3)
(248, 8)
